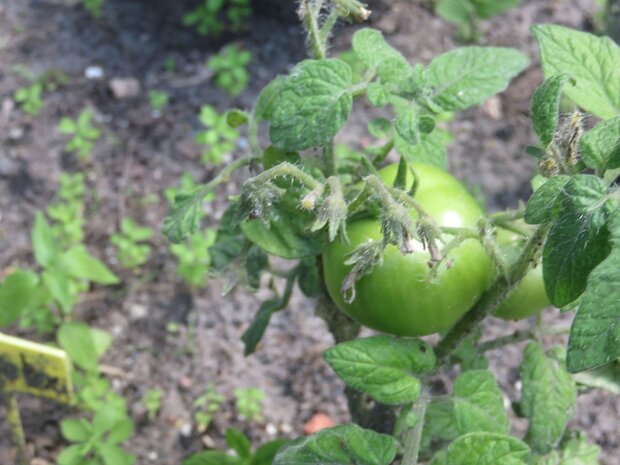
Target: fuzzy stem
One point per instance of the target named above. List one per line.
(413, 435)
(489, 301)
(314, 33)
(286, 169)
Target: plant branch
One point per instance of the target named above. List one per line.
(312, 27)
(520, 336)
(413, 435)
(491, 299)
(285, 169)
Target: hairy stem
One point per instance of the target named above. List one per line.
(286, 169)
(413, 435)
(490, 300)
(312, 27)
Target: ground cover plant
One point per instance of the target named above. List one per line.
(406, 250)
(404, 264)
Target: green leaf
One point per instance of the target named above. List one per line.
(70, 455)
(80, 264)
(266, 102)
(236, 118)
(548, 397)
(454, 11)
(75, 430)
(600, 146)
(605, 377)
(372, 49)
(543, 204)
(312, 106)
(183, 219)
(594, 63)
(468, 76)
(595, 333)
(479, 403)
(439, 423)
(265, 454)
(430, 150)
(43, 242)
(488, 8)
(121, 431)
(102, 340)
(255, 332)
(114, 455)
(385, 367)
(211, 458)
(285, 236)
(485, 448)
(341, 445)
(575, 451)
(238, 442)
(577, 241)
(546, 107)
(15, 294)
(76, 339)
(59, 287)
(378, 95)
(407, 126)
(308, 277)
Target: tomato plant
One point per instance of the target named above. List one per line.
(403, 296)
(405, 249)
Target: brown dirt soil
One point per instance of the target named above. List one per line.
(141, 154)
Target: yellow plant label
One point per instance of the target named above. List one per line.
(36, 369)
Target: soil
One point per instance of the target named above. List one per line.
(142, 153)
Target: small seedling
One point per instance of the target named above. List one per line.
(35, 369)
(466, 14)
(218, 136)
(207, 406)
(249, 403)
(212, 17)
(158, 100)
(84, 134)
(188, 185)
(29, 98)
(152, 402)
(131, 250)
(68, 211)
(194, 258)
(230, 70)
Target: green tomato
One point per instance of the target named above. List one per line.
(529, 297)
(399, 297)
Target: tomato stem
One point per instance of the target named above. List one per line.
(490, 300)
(413, 435)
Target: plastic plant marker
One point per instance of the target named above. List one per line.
(31, 368)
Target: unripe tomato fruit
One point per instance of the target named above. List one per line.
(529, 297)
(398, 297)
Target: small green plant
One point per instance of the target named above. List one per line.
(467, 13)
(188, 185)
(218, 136)
(46, 299)
(207, 405)
(132, 252)
(84, 134)
(152, 402)
(212, 17)
(194, 258)
(229, 66)
(94, 7)
(29, 98)
(158, 100)
(242, 453)
(68, 211)
(249, 403)
(96, 441)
